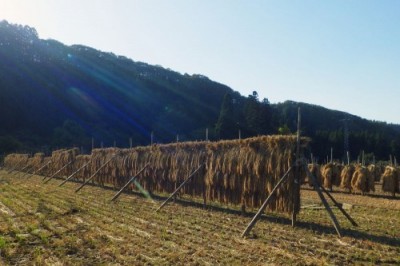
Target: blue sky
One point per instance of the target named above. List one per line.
(343, 55)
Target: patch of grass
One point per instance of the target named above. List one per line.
(3, 243)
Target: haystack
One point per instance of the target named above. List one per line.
(346, 177)
(315, 170)
(390, 180)
(330, 175)
(362, 181)
(376, 171)
(16, 161)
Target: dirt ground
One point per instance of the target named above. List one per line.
(43, 224)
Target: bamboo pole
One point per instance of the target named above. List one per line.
(178, 188)
(129, 182)
(98, 170)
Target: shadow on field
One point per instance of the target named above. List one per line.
(324, 229)
(374, 195)
(269, 217)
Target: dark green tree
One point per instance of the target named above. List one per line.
(70, 134)
(226, 127)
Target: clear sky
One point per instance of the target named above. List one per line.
(342, 54)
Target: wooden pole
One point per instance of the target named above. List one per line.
(91, 177)
(180, 186)
(206, 134)
(74, 173)
(264, 205)
(130, 143)
(129, 182)
(24, 168)
(363, 158)
(240, 134)
(317, 187)
(348, 158)
(40, 169)
(15, 168)
(62, 168)
(331, 155)
(27, 171)
(296, 180)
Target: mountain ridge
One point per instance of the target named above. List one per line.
(55, 96)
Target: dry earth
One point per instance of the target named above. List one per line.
(50, 225)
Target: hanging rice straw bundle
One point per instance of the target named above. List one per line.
(346, 176)
(360, 180)
(390, 180)
(315, 171)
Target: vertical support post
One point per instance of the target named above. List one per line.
(331, 154)
(206, 134)
(130, 143)
(296, 184)
(240, 134)
(348, 158)
(363, 158)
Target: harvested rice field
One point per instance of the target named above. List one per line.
(43, 224)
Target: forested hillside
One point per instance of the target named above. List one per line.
(55, 96)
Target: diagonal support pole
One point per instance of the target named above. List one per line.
(129, 182)
(24, 168)
(324, 202)
(339, 206)
(62, 168)
(15, 168)
(27, 171)
(98, 170)
(74, 173)
(40, 169)
(264, 205)
(180, 186)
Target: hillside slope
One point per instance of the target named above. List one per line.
(55, 96)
